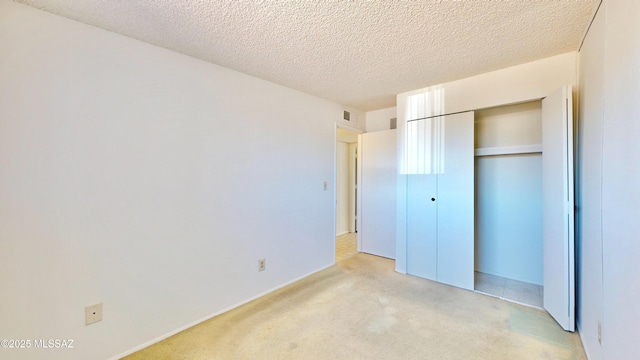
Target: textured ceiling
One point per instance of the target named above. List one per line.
(358, 53)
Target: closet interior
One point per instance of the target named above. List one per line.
(508, 249)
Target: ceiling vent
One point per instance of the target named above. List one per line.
(346, 115)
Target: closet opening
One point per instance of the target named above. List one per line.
(508, 249)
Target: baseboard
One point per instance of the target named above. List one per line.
(192, 324)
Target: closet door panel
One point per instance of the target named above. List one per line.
(558, 207)
(455, 202)
(421, 225)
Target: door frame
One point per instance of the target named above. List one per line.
(353, 149)
(358, 174)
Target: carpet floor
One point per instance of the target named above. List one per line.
(346, 246)
(362, 309)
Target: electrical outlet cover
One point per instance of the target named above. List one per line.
(92, 314)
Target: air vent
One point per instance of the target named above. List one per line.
(393, 123)
(346, 115)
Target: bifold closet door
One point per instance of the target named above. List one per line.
(422, 256)
(422, 163)
(440, 199)
(558, 207)
(455, 200)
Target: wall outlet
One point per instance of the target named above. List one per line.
(599, 333)
(325, 185)
(262, 265)
(92, 314)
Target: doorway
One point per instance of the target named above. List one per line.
(346, 193)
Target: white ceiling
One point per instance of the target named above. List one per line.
(358, 53)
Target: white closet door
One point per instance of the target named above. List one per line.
(456, 203)
(422, 163)
(558, 211)
(422, 256)
(378, 188)
(440, 199)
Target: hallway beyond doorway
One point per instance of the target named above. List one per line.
(346, 246)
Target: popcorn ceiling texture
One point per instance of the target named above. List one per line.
(357, 53)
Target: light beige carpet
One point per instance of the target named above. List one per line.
(362, 309)
(346, 246)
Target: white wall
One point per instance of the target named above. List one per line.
(511, 125)
(589, 187)
(508, 194)
(147, 180)
(378, 120)
(342, 188)
(609, 128)
(620, 179)
(357, 122)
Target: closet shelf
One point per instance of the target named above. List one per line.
(508, 150)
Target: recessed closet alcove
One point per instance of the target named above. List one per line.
(508, 249)
(485, 185)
